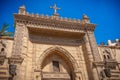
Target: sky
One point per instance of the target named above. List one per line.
(104, 13)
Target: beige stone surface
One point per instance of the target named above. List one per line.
(40, 40)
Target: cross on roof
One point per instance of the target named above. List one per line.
(55, 8)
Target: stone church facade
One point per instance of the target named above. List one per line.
(55, 48)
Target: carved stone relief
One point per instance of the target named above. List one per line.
(50, 40)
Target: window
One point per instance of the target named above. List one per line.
(106, 55)
(56, 66)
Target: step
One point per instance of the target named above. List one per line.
(3, 67)
(115, 71)
(4, 73)
(113, 78)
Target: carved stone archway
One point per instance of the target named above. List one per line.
(62, 51)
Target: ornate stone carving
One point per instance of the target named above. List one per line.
(98, 64)
(15, 60)
(18, 39)
(55, 75)
(93, 46)
(55, 23)
(110, 63)
(63, 41)
(21, 35)
(64, 52)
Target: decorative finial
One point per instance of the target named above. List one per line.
(55, 9)
(85, 19)
(22, 10)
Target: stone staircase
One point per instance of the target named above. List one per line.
(4, 73)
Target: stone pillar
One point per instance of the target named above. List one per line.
(18, 39)
(93, 45)
(20, 48)
(91, 55)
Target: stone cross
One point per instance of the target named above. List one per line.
(55, 8)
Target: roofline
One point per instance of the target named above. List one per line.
(7, 37)
(113, 47)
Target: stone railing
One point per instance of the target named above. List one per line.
(110, 63)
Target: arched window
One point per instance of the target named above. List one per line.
(106, 54)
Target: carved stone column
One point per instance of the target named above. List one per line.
(19, 47)
(91, 54)
(18, 39)
(93, 45)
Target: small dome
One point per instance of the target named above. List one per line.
(23, 7)
(85, 16)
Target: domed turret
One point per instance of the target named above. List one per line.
(22, 10)
(85, 19)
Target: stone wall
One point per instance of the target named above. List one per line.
(35, 51)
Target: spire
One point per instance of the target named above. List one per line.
(55, 8)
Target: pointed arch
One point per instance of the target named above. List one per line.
(63, 52)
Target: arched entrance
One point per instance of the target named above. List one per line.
(57, 64)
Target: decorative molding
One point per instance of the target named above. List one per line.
(20, 33)
(98, 64)
(50, 40)
(18, 39)
(93, 46)
(112, 47)
(15, 60)
(61, 50)
(54, 22)
(55, 75)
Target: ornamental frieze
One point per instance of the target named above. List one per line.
(50, 40)
(57, 22)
